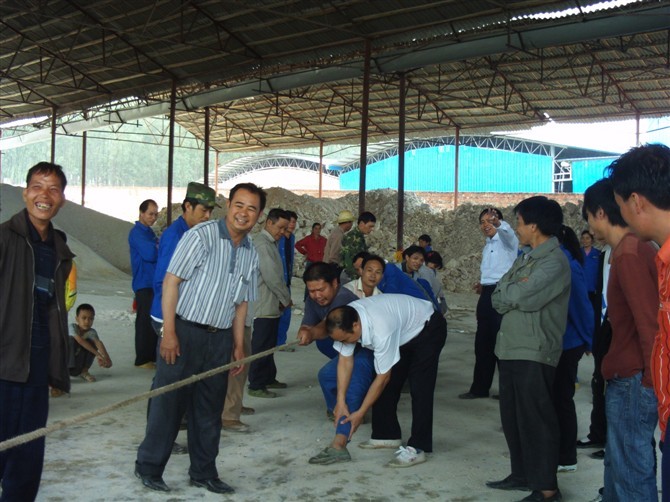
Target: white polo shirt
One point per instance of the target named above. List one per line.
(388, 321)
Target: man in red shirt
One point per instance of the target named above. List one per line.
(312, 245)
(630, 404)
(641, 181)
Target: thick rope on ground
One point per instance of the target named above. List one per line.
(38, 433)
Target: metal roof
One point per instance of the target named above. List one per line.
(283, 74)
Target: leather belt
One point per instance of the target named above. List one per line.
(206, 327)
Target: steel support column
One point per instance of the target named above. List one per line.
(53, 135)
(457, 141)
(206, 160)
(401, 163)
(216, 173)
(364, 127)
(83, 168)
(320, 168)
(173, 108)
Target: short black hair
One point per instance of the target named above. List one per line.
(366, 217)
(317, 224)
(341, 318)
(360, 254)
(85, 306)
(47, 168)
(292, 214)
(374, 257)
(436, 258)
(145, 205)
(250, 187)
(425, 238)
(600, 195)
(494, 209)
(277, 213)
(413, 250)
(644, 170)
(545, 213)
(321, 271)
(587, 232)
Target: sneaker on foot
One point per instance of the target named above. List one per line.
(330, 455)
(261, 393)
(276, 385)
(567, 468)
(407, 457)
(374, 444)
(234, 426)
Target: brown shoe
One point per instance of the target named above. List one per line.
(57, 392)
(234, 426)
(247, 411)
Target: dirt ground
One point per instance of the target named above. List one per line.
(95, 460)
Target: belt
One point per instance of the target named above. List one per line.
(206, 327)
(489, 285)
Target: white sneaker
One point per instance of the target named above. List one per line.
(567, 468)
(407, 457)
(374, 444)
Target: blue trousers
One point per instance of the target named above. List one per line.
(284, 323)
(665, 470)
(23, 409)
(630, 459)
(361, 377)
(201, 350)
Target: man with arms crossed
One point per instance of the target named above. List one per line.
(211, 277)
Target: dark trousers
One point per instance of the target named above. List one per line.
(564, 393)
(418, 364)
(601, 343)
(201, 350)
(23, 409)
(529, 421)
(145, 336)
(262, 372)
(488, 324)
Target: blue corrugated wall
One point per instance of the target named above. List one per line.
(586, 172)
(480, 170)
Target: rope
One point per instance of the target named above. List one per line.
(38, 433)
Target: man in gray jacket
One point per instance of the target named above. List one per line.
(533, 300)
(274, 297)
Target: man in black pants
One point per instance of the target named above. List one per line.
(498, 255)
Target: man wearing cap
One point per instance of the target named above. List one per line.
(331, 254)
(212, 276)
(143, 245)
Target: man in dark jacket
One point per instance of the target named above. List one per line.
(34, 266)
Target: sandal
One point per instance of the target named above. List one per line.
(88, 377)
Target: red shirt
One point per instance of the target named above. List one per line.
(312, 248)
(631, 307)
(660, 357)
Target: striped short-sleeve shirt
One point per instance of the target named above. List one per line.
(216, 275)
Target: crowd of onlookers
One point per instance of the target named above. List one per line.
(209, 292)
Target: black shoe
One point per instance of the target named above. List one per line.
(178, 449)
(496, 397)
(470, 395)
(537, 496)
(153, 482)
(598, 455)
(214, 485)
(509, 483)
(590, 444)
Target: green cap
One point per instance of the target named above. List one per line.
(202, 193)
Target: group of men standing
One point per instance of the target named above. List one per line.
(202, 330)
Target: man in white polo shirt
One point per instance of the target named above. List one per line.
(406, 336)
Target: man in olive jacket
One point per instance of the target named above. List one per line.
(533, 300)
(34, 266)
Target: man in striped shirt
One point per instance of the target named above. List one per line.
(641, 181)
(212, 276)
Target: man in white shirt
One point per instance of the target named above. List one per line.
(500, 251)
(406, 336)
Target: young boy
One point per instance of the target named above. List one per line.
(85, 345)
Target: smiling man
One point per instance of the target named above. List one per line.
(211, 277)
(34, 265)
